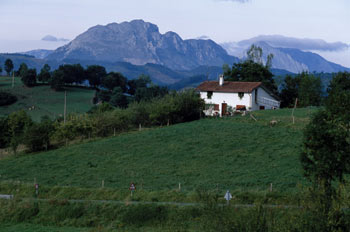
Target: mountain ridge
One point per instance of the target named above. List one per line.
(139, 43)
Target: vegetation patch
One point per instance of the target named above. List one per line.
(7, 98)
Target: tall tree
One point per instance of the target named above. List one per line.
(73, 73)
(310, 90)
(8, 66)
(251, 71)
(44, 75)
(57, 80)
(95, 74)
(113, 80)
(142, 81)
(29, 78)
(289, 92)
(23, 68)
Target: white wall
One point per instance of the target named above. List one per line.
(232, 99)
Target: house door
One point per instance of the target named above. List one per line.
(223, 109)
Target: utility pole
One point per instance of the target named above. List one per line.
(65, 107)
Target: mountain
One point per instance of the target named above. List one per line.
(38, 53)
(288, 58)
(139, 43)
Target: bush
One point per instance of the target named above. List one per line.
(5, 133)
(7, 98)
(141, 214)
(37, 136)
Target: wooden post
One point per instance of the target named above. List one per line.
(65, 107)
(295, 106)
(114, 131)
(13, 79)
(103, 183)
(252, 116)
(140, 128)
(168, 123)
(179, 187)
(271, 187)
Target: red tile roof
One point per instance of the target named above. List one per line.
(228, 86)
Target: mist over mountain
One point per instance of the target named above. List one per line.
(281, 41)
(139, 43)
(51, 38)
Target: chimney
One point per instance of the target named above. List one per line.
(221, 80)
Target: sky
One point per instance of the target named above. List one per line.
(24, 22)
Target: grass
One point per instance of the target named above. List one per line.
(45, 100)
(37, 228)
(234, 153)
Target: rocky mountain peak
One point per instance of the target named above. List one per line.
(140, 42)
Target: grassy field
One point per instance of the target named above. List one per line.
(37, 228)
(234, 153)
(45, 100)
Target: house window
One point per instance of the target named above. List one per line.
(209, 94)
(240, 95)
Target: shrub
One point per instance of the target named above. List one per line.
(7, 98)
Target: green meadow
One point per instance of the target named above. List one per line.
(45, 100)
(235, 153)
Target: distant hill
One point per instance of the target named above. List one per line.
(38, 53)
(291, 54)
(140, 43)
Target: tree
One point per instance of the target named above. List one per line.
(118, 98)
(44, 75)
(8, 66)
(72, 73)
(0, 70)
(251, 71)
(310, 90)
(113, 80)
(289, 92)
(142, 81)
(148, 93)
(95, 74)
(325, 157)
(304, 86)
(29, 78)
(22, 70)
(57, 80)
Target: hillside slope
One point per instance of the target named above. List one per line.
(233, 153)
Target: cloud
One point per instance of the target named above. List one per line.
(241, 1)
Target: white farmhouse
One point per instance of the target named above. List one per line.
(250, 96)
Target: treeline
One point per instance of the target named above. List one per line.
(111, 87)
(102, 120)
(306, 87)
